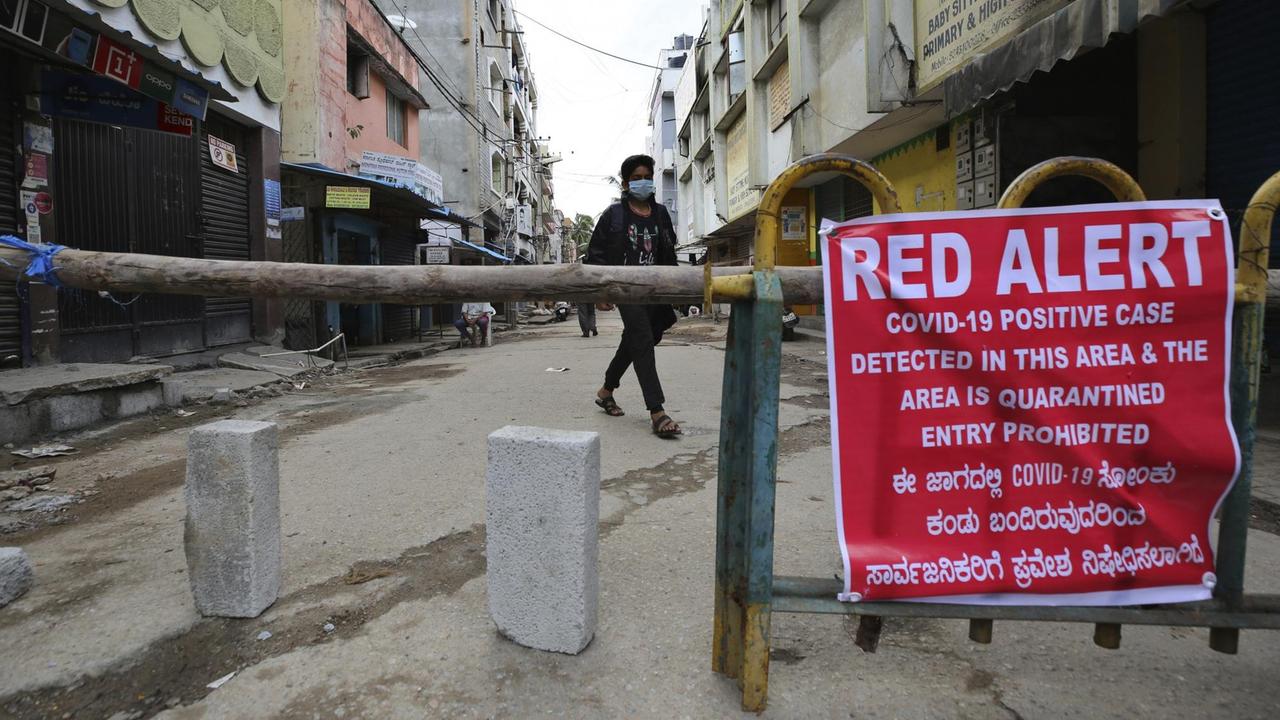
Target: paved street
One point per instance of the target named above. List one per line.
(382, 493)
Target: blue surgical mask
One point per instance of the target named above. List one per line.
(640, 189)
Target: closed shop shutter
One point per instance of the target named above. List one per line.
(842, 199)
(225, 215)
(1243, 135)
(10, 305)
(121, 189)
(397, 248)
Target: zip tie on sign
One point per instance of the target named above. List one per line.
(41, 266)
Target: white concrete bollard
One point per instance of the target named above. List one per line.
(542, 506)
(233, 517)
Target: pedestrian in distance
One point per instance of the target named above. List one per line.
(587, 319)
(474, 315)
(636, 231)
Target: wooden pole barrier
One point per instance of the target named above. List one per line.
(396, 284)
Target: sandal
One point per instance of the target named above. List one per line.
(610, 406)
(665, 428)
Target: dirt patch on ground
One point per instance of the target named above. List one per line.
(804, 373)
(110, 495)
(175, 670)
(400, 375)
(1264, 515)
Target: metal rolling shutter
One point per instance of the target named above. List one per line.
(1243, 136)
(225, 213)
(842, 199)
(397, 248)
(10, 305)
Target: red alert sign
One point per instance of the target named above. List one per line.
(1031, 406)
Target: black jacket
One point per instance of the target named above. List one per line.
(608, 244)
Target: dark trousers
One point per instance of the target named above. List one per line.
(482, 326)
(586, 317)
(636, 349)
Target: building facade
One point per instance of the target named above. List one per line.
(354, 192)
(1157, 86)
(136, 131)
(661, 143)
(483, 102)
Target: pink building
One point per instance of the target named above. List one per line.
(354, 192)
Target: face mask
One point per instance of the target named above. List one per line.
(640, 189)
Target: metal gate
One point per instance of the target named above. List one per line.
(10, 302)
(126, 190)
(397, 248)
(224, 218)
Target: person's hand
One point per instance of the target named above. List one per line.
(604, 307)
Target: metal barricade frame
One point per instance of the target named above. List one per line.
(746, 591)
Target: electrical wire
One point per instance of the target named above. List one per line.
(579, 42)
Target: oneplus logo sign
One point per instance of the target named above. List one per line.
(118, 63)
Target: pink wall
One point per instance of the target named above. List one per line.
(371, 112)
(319, 113)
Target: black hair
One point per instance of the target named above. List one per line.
(630, 164)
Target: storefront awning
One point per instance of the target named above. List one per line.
(1080, 26)
(481, 249)
(390, 198)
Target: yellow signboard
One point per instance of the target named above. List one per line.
(951, 32)
(352, 198)
(742, 198)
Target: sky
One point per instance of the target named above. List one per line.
(596, 109)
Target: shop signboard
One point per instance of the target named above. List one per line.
(951, 32)
(1031, 406)
(98, 99)
(403, 172)
(351, 198)
(742, 198)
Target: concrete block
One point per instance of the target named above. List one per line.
(16, 576)
(174, 392)
(542, 505)
(137, 400)
(233, 517)
(69, 412)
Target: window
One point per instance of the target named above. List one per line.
(357, 71)
(495, 12)
(395, 119)
(737, 64)
(777, 20)
(496, 87)
(497, 179)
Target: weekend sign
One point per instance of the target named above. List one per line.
(1030, 406)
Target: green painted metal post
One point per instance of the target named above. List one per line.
(766, 375)
(745, 491)
(726, 653)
